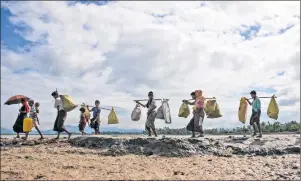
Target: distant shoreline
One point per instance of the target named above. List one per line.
(113, 133)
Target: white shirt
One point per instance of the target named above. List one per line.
(58, 102)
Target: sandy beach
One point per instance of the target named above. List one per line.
(62, 160)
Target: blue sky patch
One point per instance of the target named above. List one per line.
(99, 3)
(281, 73)
(86, 27)
(258, 89)
(283, 30)
(25, 70)
(9, 36)
(45, 18)
(203, 3)
(94, 46)
(161, 15)
(253, 29)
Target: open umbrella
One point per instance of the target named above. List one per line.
(16, 99)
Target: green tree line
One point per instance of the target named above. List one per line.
(267, 127)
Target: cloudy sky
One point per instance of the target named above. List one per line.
(118, 51)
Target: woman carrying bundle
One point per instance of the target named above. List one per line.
(196, 123)
(151, 114)
(18, 126)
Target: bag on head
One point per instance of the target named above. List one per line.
(136, 113)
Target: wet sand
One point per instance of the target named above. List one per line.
(59, 160)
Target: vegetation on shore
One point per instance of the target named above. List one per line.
(267, 127)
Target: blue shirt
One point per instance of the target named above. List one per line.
(96, 111)
(256, 105)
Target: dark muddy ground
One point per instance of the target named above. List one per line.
(141, 158)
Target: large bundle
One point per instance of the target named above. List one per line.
(160, 113)
(273, 109)
(68, 103)
(166, 112)
(216, 113)
(212, 109)
(87, 114)
(112, 118)
(184, 111)
(136, 113)
(242, 110)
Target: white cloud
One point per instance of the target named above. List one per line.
(118, 52)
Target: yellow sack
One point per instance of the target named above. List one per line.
(210, 107)
(112, 118)
(273, 109)
(27, 125)
(184, 111)
(242, 110)
(216, 113)
(68, 103)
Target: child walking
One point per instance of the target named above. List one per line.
(95, 121)
(82, 121)
(34, 110)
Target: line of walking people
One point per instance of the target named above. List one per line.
(195, 125)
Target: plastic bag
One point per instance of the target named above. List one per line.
(210, 107)
(216, 113)
(242, 110)
(160, 113)
(273, 109)
(166, 112)
(112, 118)
(184, 111)
(136, 113)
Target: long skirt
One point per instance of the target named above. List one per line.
(18, 126)
(82, 126)
(255, 117)
(196, 122)
(59, 121)
(150, 121)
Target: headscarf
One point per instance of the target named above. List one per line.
(200, 99)
(198, 93)
(27, 108)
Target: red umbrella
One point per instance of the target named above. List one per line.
(16, 99)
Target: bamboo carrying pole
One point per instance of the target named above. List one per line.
(209, 98)
(100, 108)
(147, 100)
(264, 97)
